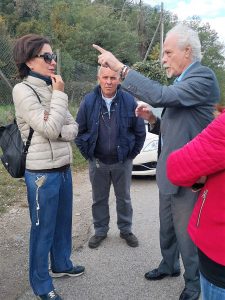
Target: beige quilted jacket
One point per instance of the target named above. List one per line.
(51, 142)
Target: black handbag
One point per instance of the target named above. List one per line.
(14, 151)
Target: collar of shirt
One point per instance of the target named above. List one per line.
(182, 74)
(108, 101)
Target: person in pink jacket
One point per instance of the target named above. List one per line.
(203, 160)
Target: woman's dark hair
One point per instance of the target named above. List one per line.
(27, 47)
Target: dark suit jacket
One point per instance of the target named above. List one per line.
(189, 105)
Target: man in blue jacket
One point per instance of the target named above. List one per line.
(110, 136)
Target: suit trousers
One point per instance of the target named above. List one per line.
(174, 214)
(101, 177)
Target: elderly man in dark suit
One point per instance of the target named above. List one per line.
(188, 108)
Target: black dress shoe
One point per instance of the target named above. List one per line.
(189, 295)
(157, 275)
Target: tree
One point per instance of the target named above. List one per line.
(97, 24)
(7, 7)
(124, 27)
(212, 49)
(27, 9)
(152, 69)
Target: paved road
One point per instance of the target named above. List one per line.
(115, 271)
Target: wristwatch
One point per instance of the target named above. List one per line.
(123, 73)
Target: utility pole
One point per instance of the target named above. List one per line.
(122, 11)
(141, 28)
(161, 34)
(58, 66)
(153, 38)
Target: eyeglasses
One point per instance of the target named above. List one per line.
(48, 57)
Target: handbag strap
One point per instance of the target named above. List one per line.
(33, 91)
(28, 142)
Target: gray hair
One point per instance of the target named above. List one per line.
(187, 37)
(100, 68)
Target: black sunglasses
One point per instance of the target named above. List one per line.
(48, 57)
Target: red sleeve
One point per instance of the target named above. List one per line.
(202, 156)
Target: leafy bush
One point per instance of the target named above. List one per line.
(7, 114)
(77, 90)
(152, 70)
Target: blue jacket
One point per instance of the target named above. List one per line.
(130, 135)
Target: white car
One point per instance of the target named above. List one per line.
(145, 162)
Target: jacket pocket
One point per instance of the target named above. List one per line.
(82, 143)
(204, 195)
(127, 119)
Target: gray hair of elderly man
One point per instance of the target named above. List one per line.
(100, 68)
(187, 37)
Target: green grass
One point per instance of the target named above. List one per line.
(79, 162)
(6, 114)
(11, 190)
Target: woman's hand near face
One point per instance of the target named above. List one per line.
(57, 82)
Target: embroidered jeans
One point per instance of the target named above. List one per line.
(50, 203)
(211, 291)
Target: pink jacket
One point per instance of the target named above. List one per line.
(204, 156)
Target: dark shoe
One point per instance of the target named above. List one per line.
(130, 238)
(96, 240)
(157, 275)
(50, 296)
(189, 295)
(74, 272)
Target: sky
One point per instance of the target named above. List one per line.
(209, 11)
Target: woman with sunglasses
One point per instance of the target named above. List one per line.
(48, 174)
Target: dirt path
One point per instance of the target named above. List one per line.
(14, 237)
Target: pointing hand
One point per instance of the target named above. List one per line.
(107, 59)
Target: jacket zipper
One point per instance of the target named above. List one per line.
(204, 195)
(97, 122)
(51, 149)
